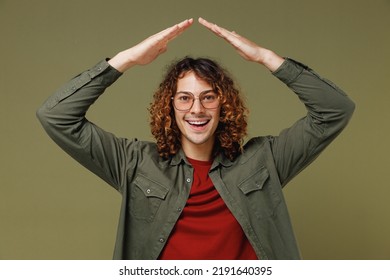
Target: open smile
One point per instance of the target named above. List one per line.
(198, 124)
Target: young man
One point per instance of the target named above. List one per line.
(198, 192)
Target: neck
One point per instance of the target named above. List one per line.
(202, 152)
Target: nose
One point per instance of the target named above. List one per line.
(197, 106)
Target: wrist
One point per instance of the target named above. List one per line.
(122, 61)
(269, 59)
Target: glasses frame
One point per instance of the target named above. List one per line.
(194, 98)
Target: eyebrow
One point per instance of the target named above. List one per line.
(202, 92)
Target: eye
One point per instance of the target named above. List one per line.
(184, 98)
(209, 97)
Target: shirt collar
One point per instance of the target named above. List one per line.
(178, 158)
(220, 159)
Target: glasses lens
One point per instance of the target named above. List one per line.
(183, 101)
(209, 100)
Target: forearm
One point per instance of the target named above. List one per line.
(63, 118)
(323, 99)
(63, 114)
(328, 113)
(69, 104)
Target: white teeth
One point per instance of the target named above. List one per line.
(197, 122)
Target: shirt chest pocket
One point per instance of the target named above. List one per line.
(146, 197)
(259, 193)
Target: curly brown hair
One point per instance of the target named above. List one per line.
(232, 127)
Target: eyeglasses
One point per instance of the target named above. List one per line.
(184, 100)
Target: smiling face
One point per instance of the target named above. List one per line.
(198, 131)
(197, 125)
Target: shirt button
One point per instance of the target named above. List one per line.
(148, 191)
(188, 180)
(162, 240)
(179, 209)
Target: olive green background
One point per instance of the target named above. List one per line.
(52, 208)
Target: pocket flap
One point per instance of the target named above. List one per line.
(255, 181)
(151, 188)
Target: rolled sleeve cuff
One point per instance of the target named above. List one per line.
(289, 71)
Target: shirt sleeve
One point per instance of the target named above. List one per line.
(63, 118)
(328, 111)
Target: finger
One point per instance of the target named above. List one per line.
(205, 23)
(218, 30)
(211, 26)
(180, 28)
(173, 31)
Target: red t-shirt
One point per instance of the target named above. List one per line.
(206, 229)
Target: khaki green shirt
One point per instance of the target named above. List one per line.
(154, 191)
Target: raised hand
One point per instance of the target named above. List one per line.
(149, 49)
(246, 48)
